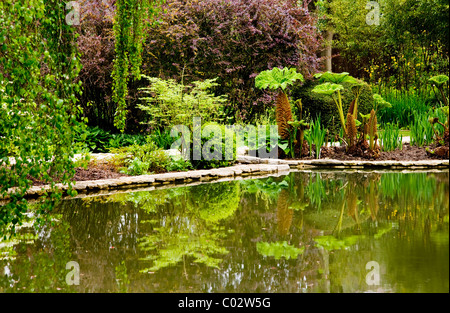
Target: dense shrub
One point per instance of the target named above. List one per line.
(315, 104)
(213, 141)
(232, 40)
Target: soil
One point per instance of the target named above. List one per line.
(408, 153)
(93, 172)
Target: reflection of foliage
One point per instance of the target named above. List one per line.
(316, 191)
(122, 277)
(216, 202)
(192, 231)
(284, 213)
(267, 186)
(382, 231)
(46, 269)
(149, 200)
(333, 243)
(279, 250)
(172, 245)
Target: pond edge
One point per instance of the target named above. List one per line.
(248, 167)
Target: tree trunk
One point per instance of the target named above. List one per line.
(327, 53)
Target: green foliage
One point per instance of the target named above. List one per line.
(217, 144)
(277, 78)
(170, 103)
(315, 104)
(38, 115)
(147, 158)
(380, 103)
(129, 36)
(125, 140)
(268, 186)
(279, 250)
(216, 202)
(97, 140)
(391, 138)
(316, 136)
(332, 243)
(328, 88)
(403, 108)
(439, 80)
(421, 130)
(94, 139)
(162, 138)
(410, 42)
(335, 78)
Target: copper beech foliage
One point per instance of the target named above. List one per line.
(193, 40)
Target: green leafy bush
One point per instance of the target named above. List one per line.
(170, 103)
(214, 141)
(147, 158)
(315, 104)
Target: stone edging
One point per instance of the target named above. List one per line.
(249, 166)
(340, 164)
(128, 182)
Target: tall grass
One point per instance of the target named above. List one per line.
(421, 130)
(391, 138)
(404, 106)
(316, 136)
(422, 133)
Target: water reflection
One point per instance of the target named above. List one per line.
(305, 232)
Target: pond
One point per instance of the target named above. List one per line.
(316, 232)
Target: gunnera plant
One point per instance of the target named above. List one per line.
(279, 79)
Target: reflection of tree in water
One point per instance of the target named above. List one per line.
(193, 232)
(102, 232)
(36, 263)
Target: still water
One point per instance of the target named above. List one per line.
(306, 232)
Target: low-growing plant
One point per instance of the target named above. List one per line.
(162, 138)
(141, 159)
(94, 139)
(422, 132)
(316, 136)
(125, 140)
(391, 138)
